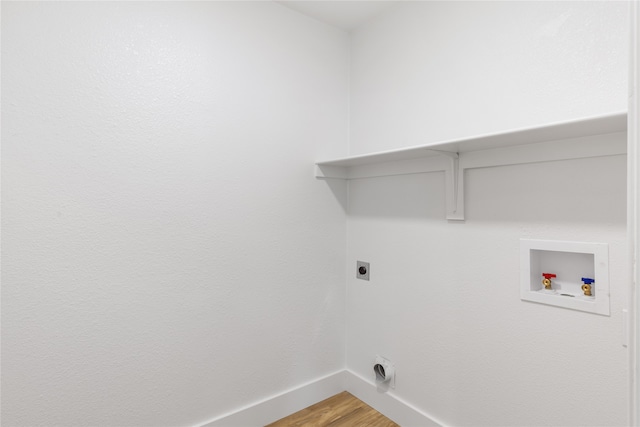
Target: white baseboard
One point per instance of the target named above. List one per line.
(387, 404)
(281, 405)
(289, 402)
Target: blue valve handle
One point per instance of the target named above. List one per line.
(587, 281)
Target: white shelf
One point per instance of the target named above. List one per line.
(556, 131)
(557, 141)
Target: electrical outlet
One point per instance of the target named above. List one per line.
(362, 270)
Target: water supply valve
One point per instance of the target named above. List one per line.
(547, 280)
(586, 288)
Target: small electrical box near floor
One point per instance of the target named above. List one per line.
(572, 275)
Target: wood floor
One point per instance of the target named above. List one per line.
(341, 410)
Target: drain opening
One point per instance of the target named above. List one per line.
(380, 373)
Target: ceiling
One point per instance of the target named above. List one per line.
(347, 14)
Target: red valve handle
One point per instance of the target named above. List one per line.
(548, 275)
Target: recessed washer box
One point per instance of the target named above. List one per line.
(570, 262)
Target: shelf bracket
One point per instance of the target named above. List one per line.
(453, 186)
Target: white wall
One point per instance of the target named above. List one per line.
(167, 254)
(443, 302)
(436, 70)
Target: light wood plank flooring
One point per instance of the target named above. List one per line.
(341, 410)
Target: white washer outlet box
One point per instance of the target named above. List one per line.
(570, 266)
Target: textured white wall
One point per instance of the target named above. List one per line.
(443, 302)
(167, 254)
(436, 70)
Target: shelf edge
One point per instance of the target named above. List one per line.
(595, 125)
